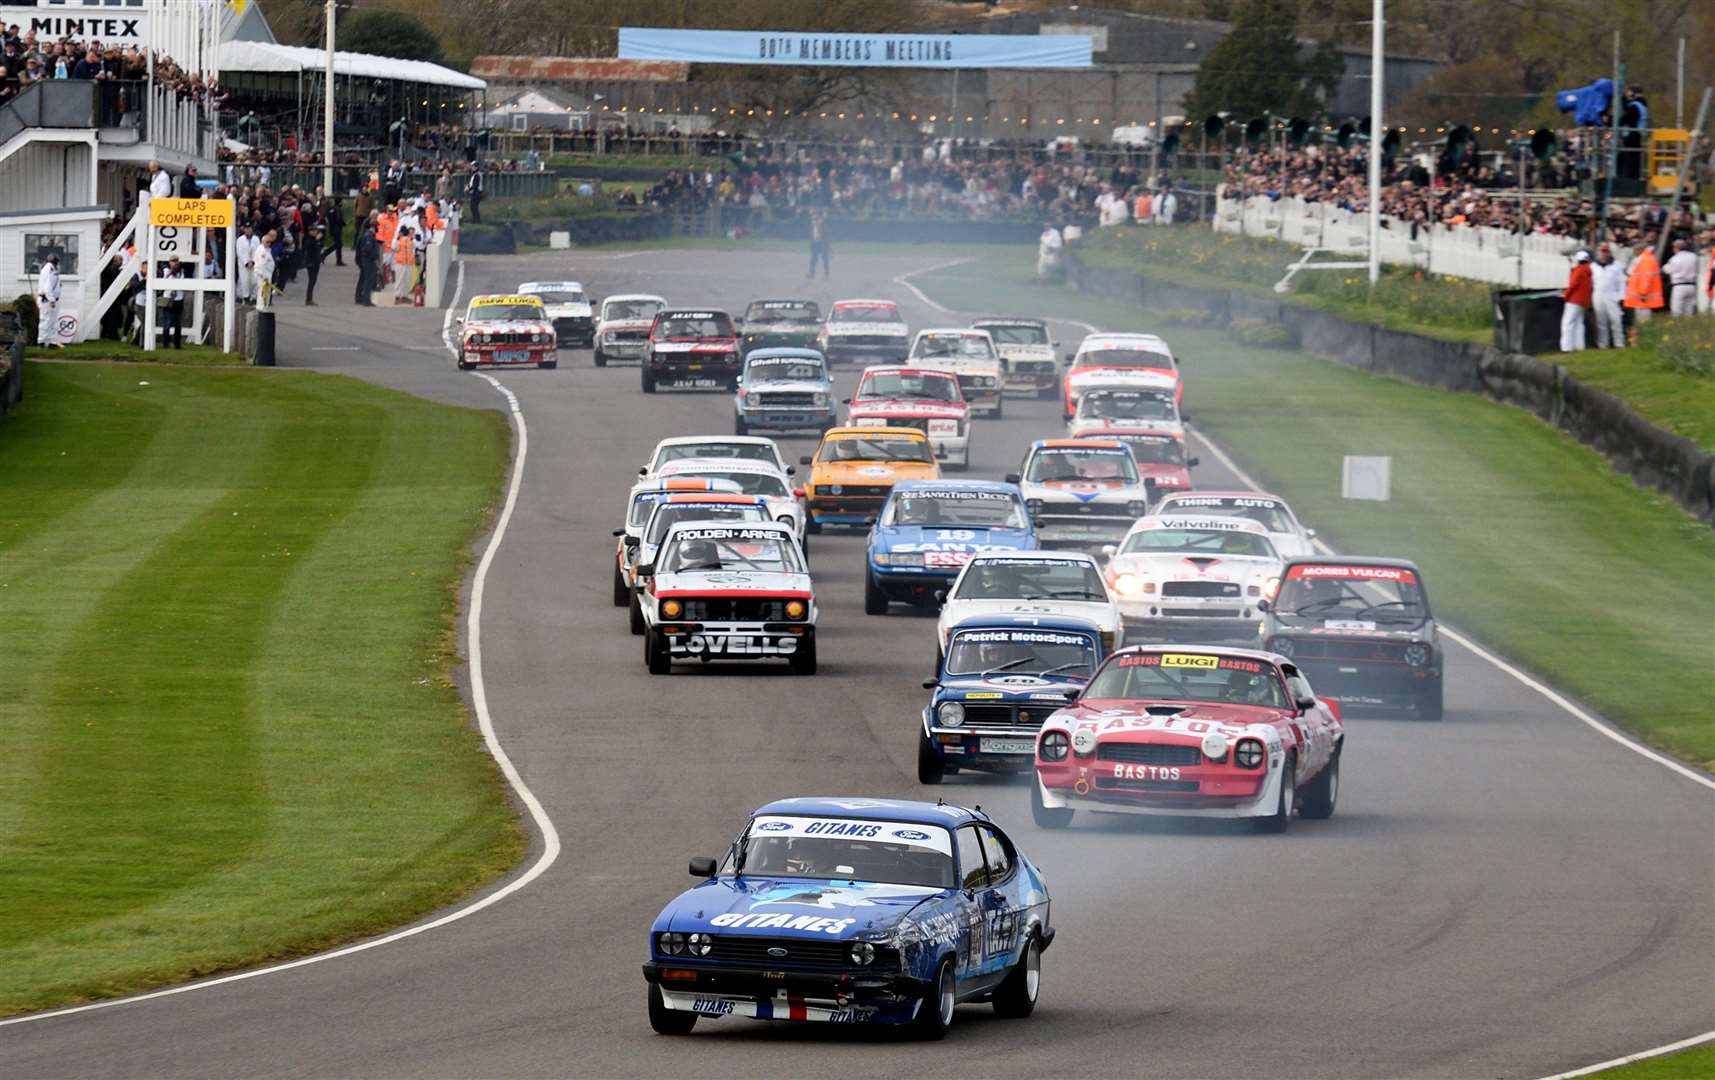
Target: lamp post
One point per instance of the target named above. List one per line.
(1377, 38)
(327, 108)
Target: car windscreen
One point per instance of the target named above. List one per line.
(845, 849)
(866, 313)
(768, 485)
(505, 313)
(1157, 451)
(1050, 465)
(1018, 335)
(893, 386)
(955, 507)
(953, 347)
(776, 311)
(1373, 594)
(876, 448)
(1141, 358)
(1189, 676)
(1020, 652)
(1195, 541)
(742, 451)
(561, 296)
(630, 310)
(1128, 405)
(699, 550)
(642, 505)
(1031, 579)
(1270, 515)
(672, 513)
(684, 326)
(780, 370)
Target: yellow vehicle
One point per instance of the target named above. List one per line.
(855, 468)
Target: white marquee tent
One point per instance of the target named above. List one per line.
(260, 56)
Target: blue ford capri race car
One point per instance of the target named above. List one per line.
(929, 529)
(1002, 677)
(853, 911)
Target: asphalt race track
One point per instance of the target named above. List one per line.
(1504, 894)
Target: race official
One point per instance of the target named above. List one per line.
(1608, 289)
(1643, 284)
(244, 251)
(1579, 289)
(264, 263)
(1048, 247)
(1681, 273)
(48, 301)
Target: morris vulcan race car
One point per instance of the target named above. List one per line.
(506, 331)
(715, 447)
(968, 354)
(639, 505)
(674, 507)
(1002, 677)
(622, 332)
(1362, 629)
(929, 529)
(1032, 584)
(844, 910)
(568, 309)
(728, 592)
(753, 478)
(929, 401)
(1122, 361)
(784, 390)
(865, 332)
(780, 324)
(1082, 492)
(854, 469)
(1191, 732)
(696, 349)
(1106, 409)
(1026, 355)
(1285, 531)
(1185, 578)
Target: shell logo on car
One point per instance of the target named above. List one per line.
(508, 330)
(854, 469)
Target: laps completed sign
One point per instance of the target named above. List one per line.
(190, 213)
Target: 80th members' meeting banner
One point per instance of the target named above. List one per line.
(800, 49)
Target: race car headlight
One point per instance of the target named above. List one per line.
(1034, 506)
(951, 713)
(819, 400)
(699, 944)
(1084, 742)
(1128, 585)
(1055, 746)
(673, 943)
(986, 380)
(1137, 508)
(1417, 654)
(835, 489)
(863, 953)
(910, 559)
(671, 609)
(538, 338)
(796, 609)
(1249, 754)
(1282, 645)
(609, 338)
(485, 337)
(1215, 746)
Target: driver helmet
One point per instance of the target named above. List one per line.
(1242, 687)
(698, 552)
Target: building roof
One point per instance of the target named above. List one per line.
(266, 56)
(577, 69)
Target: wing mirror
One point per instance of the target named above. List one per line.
(805, 460)
(633, 541)
(845, 401)
(646, 570)
(791, 470)
(1311, 533)
(1305, 704)
(459, 320)
(869, 520)
(1110, 550)
(1193, 462)
(1264, 605)
(930, 684)
(702, 866)
(1013, 478)
(940, 596)
(643, 470)
(619, 532)
(1073, 693)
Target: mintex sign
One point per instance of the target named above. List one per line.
(108, 25)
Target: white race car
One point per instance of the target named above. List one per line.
(622, 330)
(752, 478)
(638, 506)
(718, 591)
(1024, 583)
(1285, 531)
(1026, 353)
(1123, 362)
(739, 447)
(1082, 492)
(687, 506)
(969, 354)
(865, 332)
(1186, 578)
(1105, 409)
(568, 309)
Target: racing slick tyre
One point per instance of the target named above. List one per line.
(1045, 816)
(601, 361)
(648, 379)
(999, 407)
(812, 526)
(548, 365)
(803, 661)
(1282, 816)
(930, 769)
(739, 427)
(874, 600)
(637, 623)
(1015, 997)
(462, 365)
(1319, 797)
(621, 592)
(655, 654)
(667, 1021)
(1043, 392)
(1429, 702)
(935, 1014)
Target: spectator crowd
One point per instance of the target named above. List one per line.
(26, 59)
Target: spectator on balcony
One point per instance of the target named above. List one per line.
(11, 60)
(1578, 301)
(160, 184)
(1608, 288)
(31, 75)
(89, 67)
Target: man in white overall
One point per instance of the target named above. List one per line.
(48, 301)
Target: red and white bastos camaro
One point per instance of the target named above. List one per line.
(927, 400)
(1191, 731)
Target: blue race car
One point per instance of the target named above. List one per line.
(929, 529)
(1002, 677)
(848, 910)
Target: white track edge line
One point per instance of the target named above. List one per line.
(485, 721)
(1600, 726)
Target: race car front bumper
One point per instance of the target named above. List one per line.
(708, 641)
(521, 356)
(1371, 685)
(804, 419)
(1031, 381)
(911, 585)
(575, 330)
(1175, 620)
(830, 997)
(625, 349)
(1081, 533)
(1085, 783)
(1000, 750)
(893, 352)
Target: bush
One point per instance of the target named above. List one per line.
(1683, 344)
(1187, 316)
(24, 307)
(1262, 335)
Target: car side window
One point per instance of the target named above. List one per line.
(973, 870)
(998, 853)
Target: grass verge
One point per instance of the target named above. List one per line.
(124, 351)
(1529, 540)
(230, 732)
(1657, 378)
(1698, 1063)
